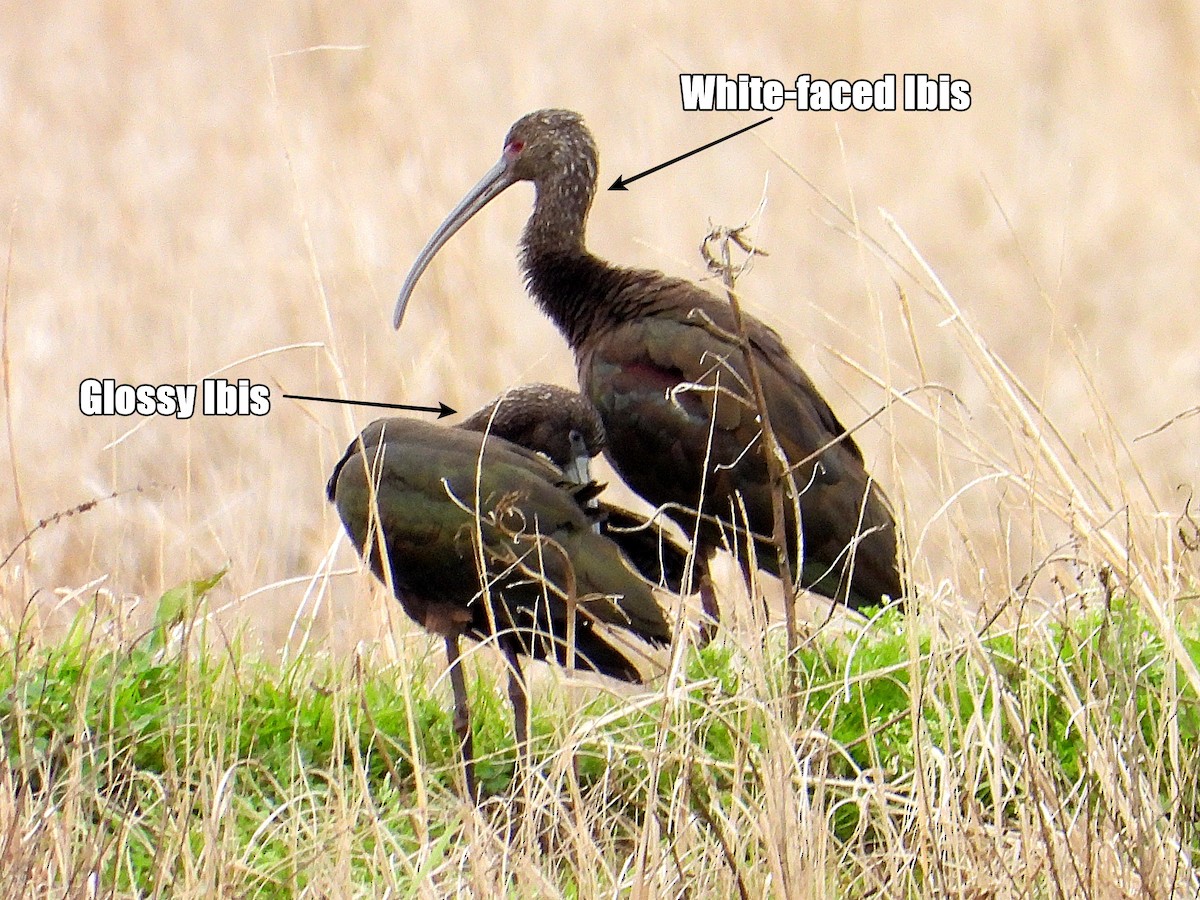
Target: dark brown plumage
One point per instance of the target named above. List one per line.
(550, 419)
(657, 357)
(528, 570)
(563, 426)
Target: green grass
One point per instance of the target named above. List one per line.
(170, 765)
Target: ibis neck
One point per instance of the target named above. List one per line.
(559, 270)
(559, 220)
(567, 283)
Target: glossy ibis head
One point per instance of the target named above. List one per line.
(548, 419)
(550, 147)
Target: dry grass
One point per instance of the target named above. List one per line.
(193, 189)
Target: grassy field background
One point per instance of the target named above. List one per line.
(200, 188)
(1007, 294)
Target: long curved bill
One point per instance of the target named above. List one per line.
(498, 178)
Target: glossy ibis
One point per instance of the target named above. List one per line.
(482, 538)
(659, 358)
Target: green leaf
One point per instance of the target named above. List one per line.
(179, 604)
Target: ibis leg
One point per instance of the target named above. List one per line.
(519, 697)
(708, 604)
(462, 717)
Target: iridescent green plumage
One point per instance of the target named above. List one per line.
(480, 537)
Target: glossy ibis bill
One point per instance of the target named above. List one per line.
(659, 359)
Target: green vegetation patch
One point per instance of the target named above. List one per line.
(162, 762)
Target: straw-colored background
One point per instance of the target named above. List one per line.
(187, 185)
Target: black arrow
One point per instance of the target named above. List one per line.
(619, 184)
(441, 409)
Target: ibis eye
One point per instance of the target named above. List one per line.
(516, 145)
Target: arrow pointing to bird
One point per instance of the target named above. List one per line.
(441, 409)
(619, 184)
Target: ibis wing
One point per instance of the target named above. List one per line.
(674, 393)
(422, 497)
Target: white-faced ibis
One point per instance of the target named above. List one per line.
(650, 350)
(482, 538)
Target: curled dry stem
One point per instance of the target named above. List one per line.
(777, 465)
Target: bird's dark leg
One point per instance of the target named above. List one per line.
(462, 716)
(518, 696)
